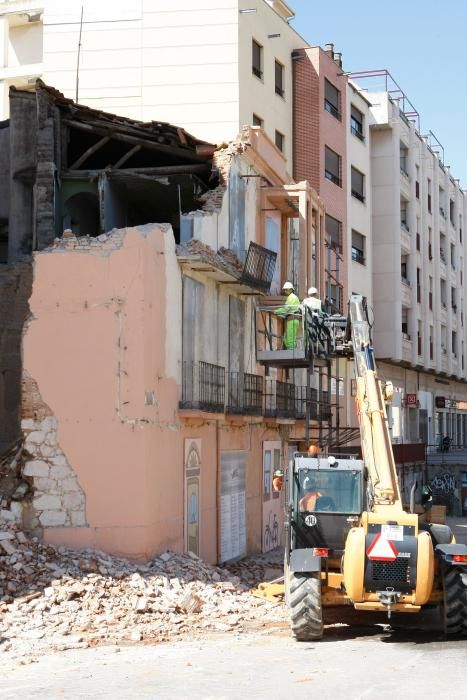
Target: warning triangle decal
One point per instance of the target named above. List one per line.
(381, 549)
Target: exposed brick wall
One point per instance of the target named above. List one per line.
(306, 120)
(315, 128)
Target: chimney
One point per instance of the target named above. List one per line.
(338, 59)
(329, 50)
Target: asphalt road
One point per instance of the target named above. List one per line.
(360, 657)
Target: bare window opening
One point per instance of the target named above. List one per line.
(81, 214)
(279, 78)
(257, 60)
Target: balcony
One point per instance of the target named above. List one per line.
(245, 394)
(226, 267)
(203, 387)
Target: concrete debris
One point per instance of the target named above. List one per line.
(224, 259)
(52, 598)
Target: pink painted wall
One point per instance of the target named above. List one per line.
(95, 345)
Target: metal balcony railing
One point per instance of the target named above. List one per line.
(279, 399)
(245, 393)
(203, 386)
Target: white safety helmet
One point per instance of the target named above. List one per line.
(312, 291)
(287, 285)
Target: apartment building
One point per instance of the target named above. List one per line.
(211, 68)
(418, 210)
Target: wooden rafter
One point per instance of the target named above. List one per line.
(92, 149)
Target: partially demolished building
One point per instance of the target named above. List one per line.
(139, 418)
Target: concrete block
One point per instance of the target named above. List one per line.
(46, 485)
(70, 485)
(28, 424)
(47, 450)
(59, 473)
(78, 518)
(52, 518)
(36, 468)
(35, 438)
(47, 502)
(72, 500)
(59, 460)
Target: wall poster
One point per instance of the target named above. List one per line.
(232, 505)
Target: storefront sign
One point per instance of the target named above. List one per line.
(411, 399)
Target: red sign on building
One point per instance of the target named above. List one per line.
(411, 399)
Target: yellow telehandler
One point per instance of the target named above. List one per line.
(348, 539)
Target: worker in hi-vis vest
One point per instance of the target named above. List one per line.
(291, 307)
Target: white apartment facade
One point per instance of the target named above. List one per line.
(210, 70)
(419, 248)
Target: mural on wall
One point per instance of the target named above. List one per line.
(192, 493)
(271, 499)
(233, 505)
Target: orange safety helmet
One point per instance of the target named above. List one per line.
(313, 450)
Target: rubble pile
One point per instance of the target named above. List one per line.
(52, 598)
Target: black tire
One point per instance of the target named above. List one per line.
(454, 606)
(304, 599)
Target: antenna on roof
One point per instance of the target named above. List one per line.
(79, 51)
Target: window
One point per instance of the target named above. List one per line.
(332, 166)
(442, 247)
(417, 182)
(404, 270)
(443, 293)
(332, 99)
(453, 256)
(279, 78)
(404, 157)
(279, 139)
(452, 216)
(419, 286)
(405, 323)
(454, 343)
(358, 247)
(430, 293)
(430, 249)
(333, 232)
(257, 59)
(453, 299)
(356, 123)
(257, 121)
(358, 185)
(404, 223)
(429, 195)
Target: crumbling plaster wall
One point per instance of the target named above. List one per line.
(96, 346)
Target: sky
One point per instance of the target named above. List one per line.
(423, 45)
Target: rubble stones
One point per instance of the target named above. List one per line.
(58, 500)
(52, 598)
